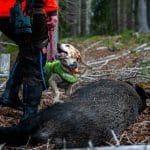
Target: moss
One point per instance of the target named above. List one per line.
(11, 49)
(145, 63)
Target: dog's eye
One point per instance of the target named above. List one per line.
(67, 45)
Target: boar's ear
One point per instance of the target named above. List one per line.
(148, 94)
(129, 83)
(141, 92)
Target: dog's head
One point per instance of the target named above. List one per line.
(70, 51)
(69, 64)
(68, 56)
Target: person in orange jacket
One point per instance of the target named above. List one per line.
(28, 68)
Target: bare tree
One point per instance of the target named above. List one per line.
(72, 16)
(142, 17)
(83, 16)
(129, 9)
(114, 15)
(148, 12)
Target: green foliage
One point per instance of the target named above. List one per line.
(101, 17)
(145, 69)
(142, 38)
(127, 34)
(145, 64)
(133, 39)
(64, 26)
(101, 20)
(7, 48)
(10, 49)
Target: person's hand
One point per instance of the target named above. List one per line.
(52, 22)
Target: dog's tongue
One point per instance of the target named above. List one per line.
(76, 71)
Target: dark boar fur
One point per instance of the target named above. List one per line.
(89, 114)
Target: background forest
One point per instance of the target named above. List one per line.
(88, 17)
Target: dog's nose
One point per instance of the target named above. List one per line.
(73, 66)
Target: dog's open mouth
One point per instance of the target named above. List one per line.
(70, 65)
(76, 71)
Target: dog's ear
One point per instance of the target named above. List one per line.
(58, 47)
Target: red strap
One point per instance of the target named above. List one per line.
(51, 44)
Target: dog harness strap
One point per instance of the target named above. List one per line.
(56, 67)
(48, 69)
(69, 77)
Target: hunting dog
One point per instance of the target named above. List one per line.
(57, 76)
(63, 72)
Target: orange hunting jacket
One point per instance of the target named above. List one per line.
(5, 5)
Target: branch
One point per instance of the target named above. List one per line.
(108, 58)
(92, 45)
(6, 43)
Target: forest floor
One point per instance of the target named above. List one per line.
(123, 57)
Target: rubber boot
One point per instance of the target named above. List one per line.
(31, 100)
(10, 97)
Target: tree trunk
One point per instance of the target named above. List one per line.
(136, 14)
(114, 15)
(72, 11)
(88, 16)
(129, 9)
(122, 15)
(142, 17)
(83, 16)
(148, 12)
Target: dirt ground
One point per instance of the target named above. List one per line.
(106, 63)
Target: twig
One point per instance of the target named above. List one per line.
(109, 58)
(140, 47)
(4, 75)
(123, 73)
(6, 43)
(92, 45)
(28, 141)
(2, 86)
(115, 138)
(64, 144)
(86, 77)
(90, 144)
(2, 146)
(47, 145)
(143, 76)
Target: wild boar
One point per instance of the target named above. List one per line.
(89, 114)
